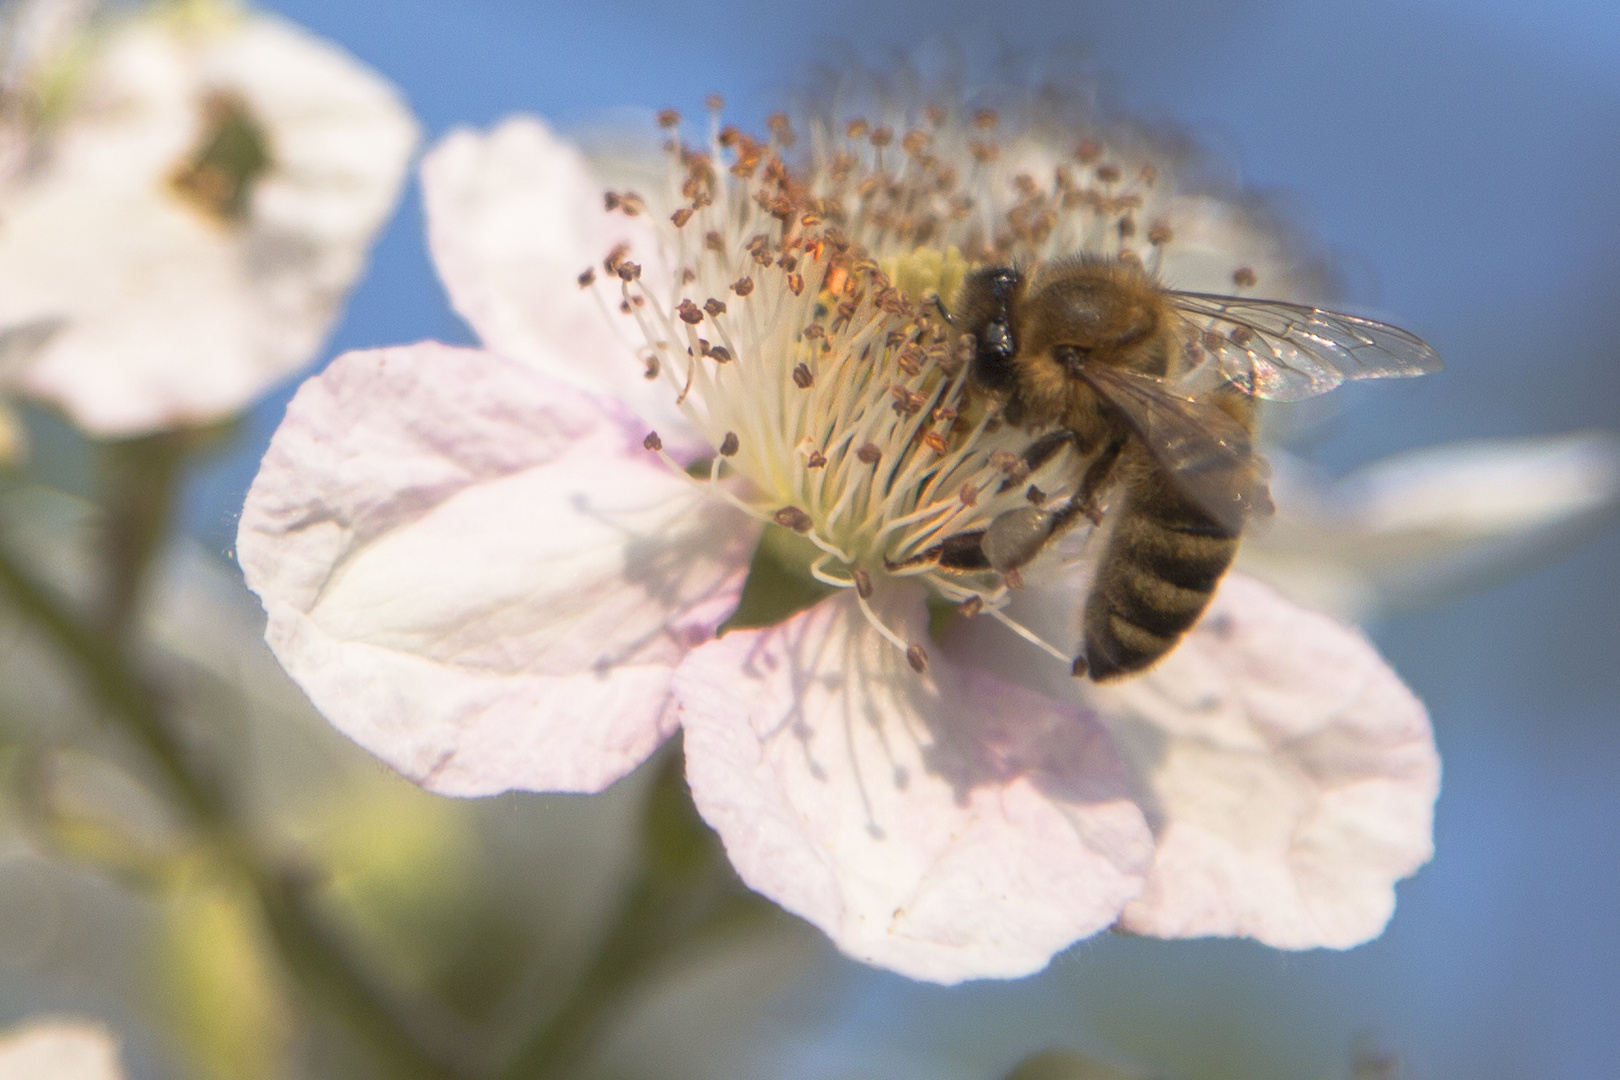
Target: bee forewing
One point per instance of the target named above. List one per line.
(1285, 352)
(1200, 446)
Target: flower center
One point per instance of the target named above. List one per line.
(799, 316)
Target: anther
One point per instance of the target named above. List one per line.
(721, 354)
(907, 402)
(969, 495)
(971, 606)
(1108, 173)
(628, 271)
(1013, 579)
(863, 583)
(869, 454)
(795, 283)
(743, 286)
(985, 119)
(729, 445)
(653, 368)
(917, 657)
(669, 118)
(791, 517)
(588, 277)
(714, 241)
(1159, 234)
(1244, 277)
(802, 377)
(652, 441)
(1088, 151)
(689, 312)
(681, 216)
(714, 307)
(882, 137)
(816, 460)
(1035, 495)
(935, 442)
(714, 102)
(615, 257)
(780, 128)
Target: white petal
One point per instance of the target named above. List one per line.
(1419, 526)
(946, 826)
(514, 216)
(59, 1050)
(1289, 774)
(174, 317)
(479, 574)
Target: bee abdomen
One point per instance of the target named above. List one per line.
(1156, 577)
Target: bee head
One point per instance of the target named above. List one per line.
(983, 309)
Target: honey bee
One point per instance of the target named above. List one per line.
(1155, 389)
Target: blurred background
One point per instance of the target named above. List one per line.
(1458, 157)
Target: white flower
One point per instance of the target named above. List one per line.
(1423, 525)
(489, 571)
(59, 1050)
(190, 213)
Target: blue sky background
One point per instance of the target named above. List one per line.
(1462, 158)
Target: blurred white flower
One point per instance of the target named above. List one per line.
(189, 192)
(59, 1050)
(488, 571)
(1430, 523)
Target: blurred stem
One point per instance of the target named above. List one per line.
(307, 949)
(683, 890)
(138, 481)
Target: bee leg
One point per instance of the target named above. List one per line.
(964, 551)
(1096, 479)
(1041, 451)
(960, 552)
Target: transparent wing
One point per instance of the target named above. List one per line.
(1206, 451)
(1285, 352)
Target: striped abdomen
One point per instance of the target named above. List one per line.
(1156, 576)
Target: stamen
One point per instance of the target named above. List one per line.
(1027, 634)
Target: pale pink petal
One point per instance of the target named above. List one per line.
(1434, 522)
(169, 315)
(478, 574)
(1288, 773)
(513, 217)
(1290, 777)
(947, 826)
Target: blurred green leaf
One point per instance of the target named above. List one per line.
(223, 994)
(1068, 1065)
(779, 584)
(412, 877)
